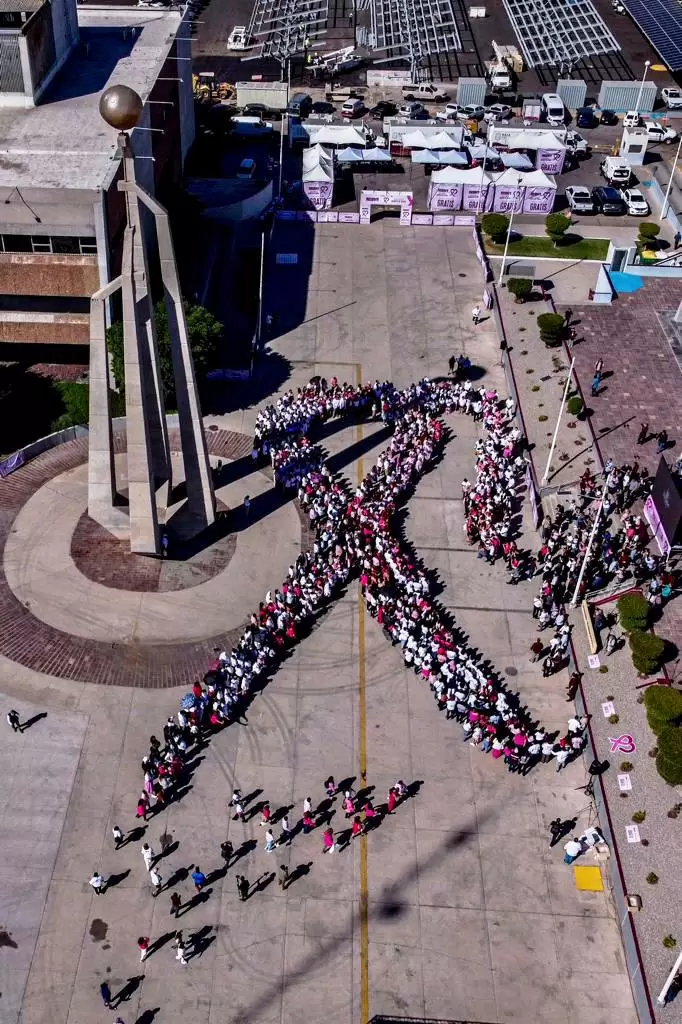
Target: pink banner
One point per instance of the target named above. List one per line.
(318, 193)
(653, 519)
(444, 197)
(551, 161)
(508, 199)
(538, 200)
(477, 198)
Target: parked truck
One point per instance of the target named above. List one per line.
(500, 72)
(274, 95)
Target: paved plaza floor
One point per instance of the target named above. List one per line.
(455, 907)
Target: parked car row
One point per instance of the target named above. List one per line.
(607, 200)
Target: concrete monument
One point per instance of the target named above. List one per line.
(149, 475)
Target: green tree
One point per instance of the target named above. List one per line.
(496, 226)
(633, 612)
(663, 706)
(552, 327)
(647, 651)
(669, 757)
(205, 336)
(575, 405)
(520, 287)
(556, 226)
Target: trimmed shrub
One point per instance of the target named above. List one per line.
(638, 817)
(669, 941)
(669, 759)
(649, 230)
(647, 651)
(626, 766)
(556, 226)
(520, 287)
(652, 878)
(496, 226)
(575, 405)
(633, 612)
(552, 327)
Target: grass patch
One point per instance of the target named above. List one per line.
(573, 248)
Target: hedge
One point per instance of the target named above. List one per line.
(669, 757)
(663, 705)
(575, 405)
(647, 651)
(633, 612)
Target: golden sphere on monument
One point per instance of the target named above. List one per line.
(121, 107)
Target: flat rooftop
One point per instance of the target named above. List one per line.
(63, 142)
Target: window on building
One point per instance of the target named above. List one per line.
(58, 244)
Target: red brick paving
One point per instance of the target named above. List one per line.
(645, 385)
(36, 645)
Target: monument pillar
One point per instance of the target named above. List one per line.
(149, 467)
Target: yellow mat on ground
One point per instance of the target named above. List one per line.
(588, 878)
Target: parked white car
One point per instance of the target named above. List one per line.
(636, 203)
(632, 119)
(576, 142)
(672, 98)
(450, 112)
(659, 132)
(498, 112)
(579, 199)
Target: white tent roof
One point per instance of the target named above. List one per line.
(416, 138)
(338, 135)
(461, 176)
(441, 140)
(539, 179)
(534, 140)
(317, 164)
(510, 177)
(518, 161)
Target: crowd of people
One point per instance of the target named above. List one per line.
(353, 534)
(619, 552)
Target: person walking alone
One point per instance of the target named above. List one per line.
(175, 904)
(243, 887)
(156, 879)
(270, 842)
(476, 315)
(556, 829)
(143, 946)
(199, 878)
(643, 433)
(105, 993)
(178, 944)
(97, 882)
(328, 844)
(148, 856)
(14, 720)
(117, 833)
(283, 878)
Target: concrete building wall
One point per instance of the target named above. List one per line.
(52, 329)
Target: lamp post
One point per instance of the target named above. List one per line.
(509, 231)
(488, 142)
(558, 422)
(664, 208)
(647, 64)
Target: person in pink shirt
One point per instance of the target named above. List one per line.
(328, 844)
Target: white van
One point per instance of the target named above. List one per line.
(553, 108)
(616, 170)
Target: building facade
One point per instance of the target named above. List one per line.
(61, 215)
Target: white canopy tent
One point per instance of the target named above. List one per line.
(534, 140)
(455, 187)
(318, 177)
(442, 156)
(336, 135)
(517, 161)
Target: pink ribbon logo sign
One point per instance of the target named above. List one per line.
(625, 744)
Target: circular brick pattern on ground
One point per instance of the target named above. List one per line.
(106, 560)
(28, 641)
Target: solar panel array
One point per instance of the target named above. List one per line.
(414, 29)
(661, 23)
(559, 32)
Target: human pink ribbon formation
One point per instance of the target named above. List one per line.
(354, 536)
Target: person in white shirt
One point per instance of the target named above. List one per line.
(97, 882)
(572, 850)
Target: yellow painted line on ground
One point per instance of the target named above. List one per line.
(362, 747)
